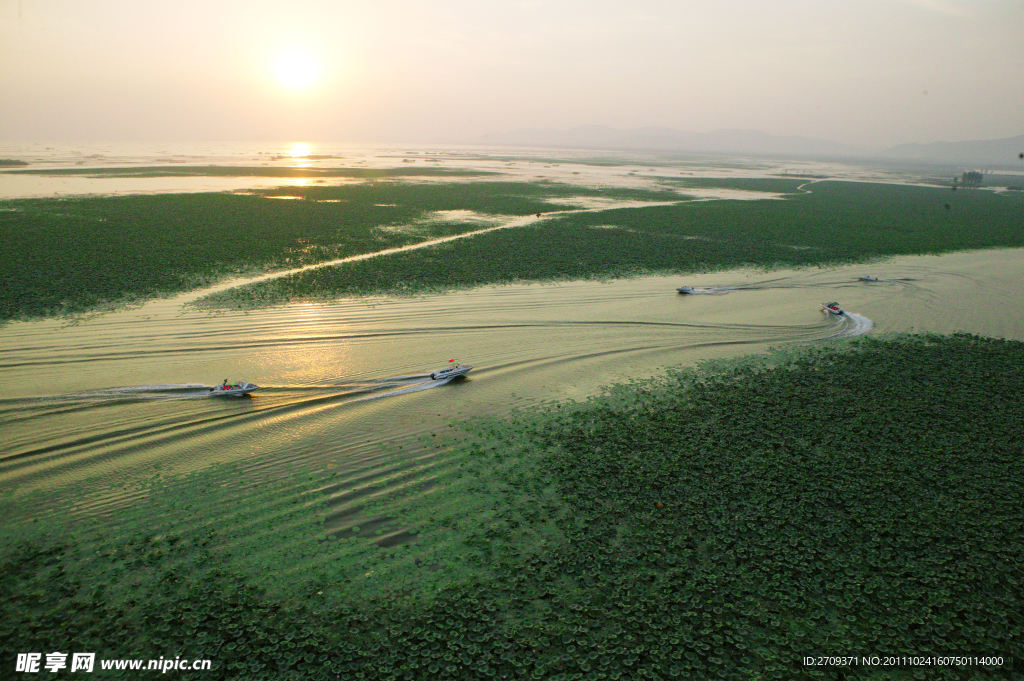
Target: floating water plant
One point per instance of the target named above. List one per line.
(722, 523)
(836, 223)
(76, 254)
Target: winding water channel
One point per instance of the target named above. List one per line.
(96, 405)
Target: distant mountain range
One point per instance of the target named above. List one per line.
(1000, 152)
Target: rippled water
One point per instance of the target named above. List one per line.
(99, 405)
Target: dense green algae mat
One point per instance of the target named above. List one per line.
(833, 223)
(860, 499)
(75, 254)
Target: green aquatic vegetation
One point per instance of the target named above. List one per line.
(547, 251)
(796, 502)
(834, 223)
(76, 254)
(841, 222)
(853, 499)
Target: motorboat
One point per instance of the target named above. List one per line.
(833, 308)
(685, 289)
(233, 389)
(868, 278)
(452, 371)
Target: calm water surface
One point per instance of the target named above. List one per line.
(594, 169)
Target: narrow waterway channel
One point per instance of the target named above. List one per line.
(96, 405)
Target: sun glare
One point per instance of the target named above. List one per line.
(299, 150)
(296, 70)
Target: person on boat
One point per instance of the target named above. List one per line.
(224, 385)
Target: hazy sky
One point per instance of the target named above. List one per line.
(876, 72)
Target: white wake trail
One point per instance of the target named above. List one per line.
(851, 324)
(426, 385)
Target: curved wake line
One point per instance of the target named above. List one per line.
(343, 337)
(851, 324)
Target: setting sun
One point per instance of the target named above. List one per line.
(296, 70)
(299, 150)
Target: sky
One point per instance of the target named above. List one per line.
(866, 72)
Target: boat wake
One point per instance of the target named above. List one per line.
(386, 387)
(788, 283)
(709, 290)
(849, 325)
(391, 386)
(162, 391)
(414, 388)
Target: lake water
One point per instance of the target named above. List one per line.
(99, 405)
(96, 410)
(584, 168)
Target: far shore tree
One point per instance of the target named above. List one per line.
(971, 179)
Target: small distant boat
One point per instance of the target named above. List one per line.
(833, 308)
(452, 371)
(868, 278)
(233, 389)
(685, 289)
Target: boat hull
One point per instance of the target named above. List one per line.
(449, 373)
(244, 388)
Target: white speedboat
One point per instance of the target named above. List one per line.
(450, 372)
(685, 289)
(833, 308)
(868, 278)
(226, 389)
